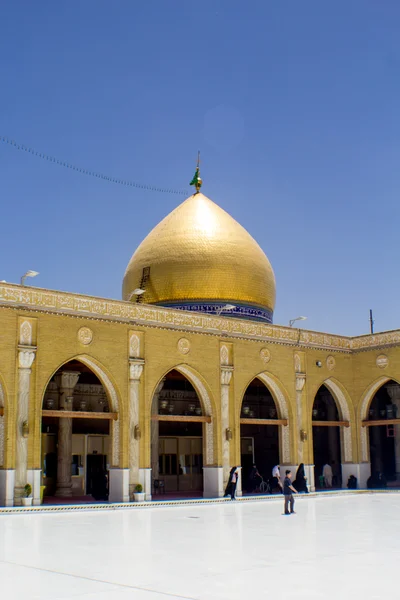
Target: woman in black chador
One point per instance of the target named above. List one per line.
(300, 482)
(232, 483)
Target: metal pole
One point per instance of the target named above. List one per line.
(371, 321)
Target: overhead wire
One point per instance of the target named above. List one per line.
(88, 172)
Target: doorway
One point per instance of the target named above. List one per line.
(259, 433)
(177, 438)
(326, 440)
(75, 436)
(384, 429)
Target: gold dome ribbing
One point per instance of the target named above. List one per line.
(199, 252)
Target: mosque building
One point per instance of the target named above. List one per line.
(184, 378)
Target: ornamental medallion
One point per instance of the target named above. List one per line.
(331, 363)
(265, 355)
(184, 346)
(382, 361)
(85, 336)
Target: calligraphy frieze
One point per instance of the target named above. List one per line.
(15, 295)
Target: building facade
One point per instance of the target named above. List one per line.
(171, 390)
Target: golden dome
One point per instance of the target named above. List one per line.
(199, 257)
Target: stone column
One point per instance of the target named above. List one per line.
(332, 433)
(66, 381)
(301, 424)
(226, 376)
(393, 390)
(334, 443)
(25, 361)
(155, 426)
(375, 443)
(135, 373)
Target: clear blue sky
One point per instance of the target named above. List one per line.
(294, 105)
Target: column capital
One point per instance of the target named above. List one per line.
(26, 358)
(393, 389)
(226, 375)
(300, 381)
(136, 368)
(67, 380)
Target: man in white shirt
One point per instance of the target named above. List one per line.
(328, 474)
(277, 474)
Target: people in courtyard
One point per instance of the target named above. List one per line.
(300, 483)
(336, 474)
(327, 474)
(352, 482)
(254, 479)
(232, 483)
(376, 481)
(99, 491)
(381, 480)
(276, 477)
(288, 491)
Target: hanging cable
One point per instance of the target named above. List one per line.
(62, 163)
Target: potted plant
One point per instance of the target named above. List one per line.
(138, 494)
(27, 499)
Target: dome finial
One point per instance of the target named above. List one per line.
(197, 181)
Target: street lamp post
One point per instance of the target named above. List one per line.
(28, 274)
(296, 319)
(136, 292)
(225, 308)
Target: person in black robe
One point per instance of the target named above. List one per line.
(99, 489)
(300, 483)
(253, 479)
(352, 482)
(381, 481)
(376, 481)
(232, 483)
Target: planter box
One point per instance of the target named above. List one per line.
(27, 501)
(139, 497)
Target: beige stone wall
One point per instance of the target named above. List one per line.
(347, 372)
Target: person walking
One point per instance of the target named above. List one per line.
(327, 474)
(300, 483)
(288, 491)
(232, 483)
(276, 474)
(253, 479)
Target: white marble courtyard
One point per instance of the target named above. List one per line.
(334, 547)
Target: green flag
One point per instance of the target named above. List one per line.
(196, 178)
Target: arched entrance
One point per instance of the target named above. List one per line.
(76, 434)
(327, 423)
(383, 423)
(260, 419)
(178, 451)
